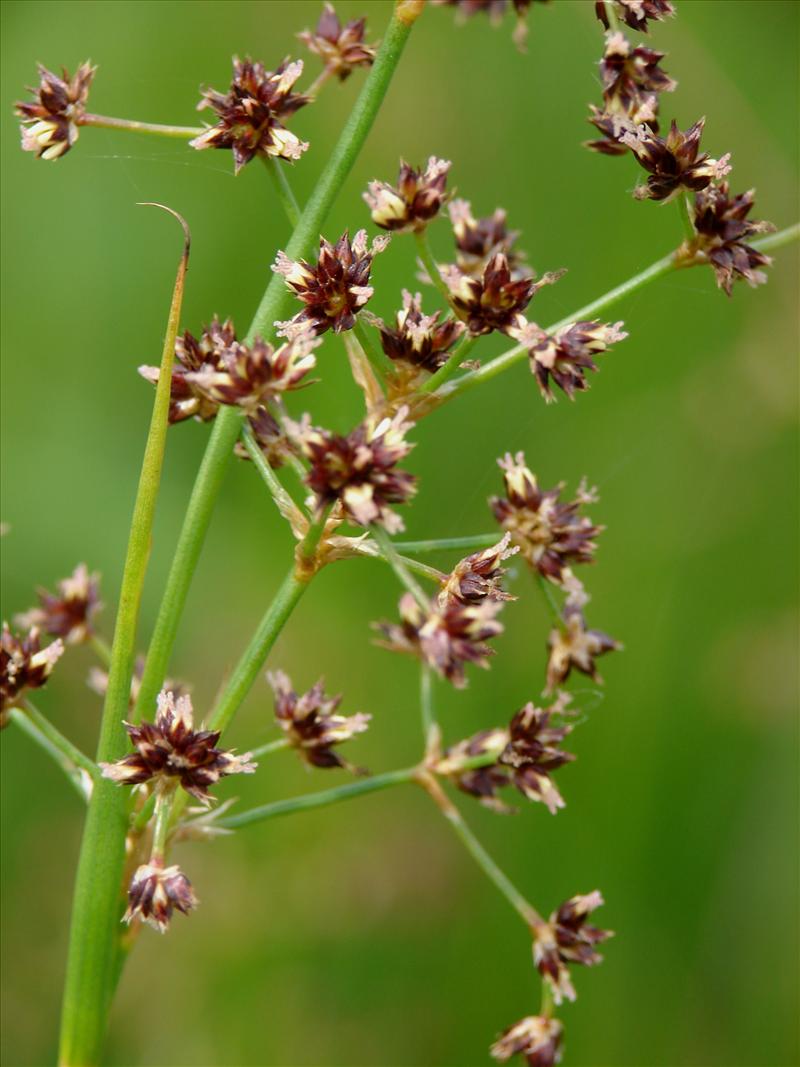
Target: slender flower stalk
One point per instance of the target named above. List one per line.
(102, 648)
(451, 367)
(426, 704)
(429, 263)
(446, 544)
(270, 747)
(81, 771)
(284, 501)
(283, 190)
(159, 129)
(370, 349)
(398, 565)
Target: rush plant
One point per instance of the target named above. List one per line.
(342, 491)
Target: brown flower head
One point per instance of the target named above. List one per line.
(311, 723)
(674, 162)
(251, 114)
(270, 438)
(155, 892)
(632, 80)
(537, 1037)
(69, 612)
(194, 355)
(635, 13)
(171, 748)
(483, 782)
(24, 664)
(414, 201)
(419, 342)
(722, 230)
(341, 48)
(336, 289)
(478, 240)
(496, 300)
(549, 532)
(612, 127)
(568, 938)
(563, 358)
(572, 645)
(359, 469)
(446, 636)
(495, 9)
(477, 577)
(50, 122)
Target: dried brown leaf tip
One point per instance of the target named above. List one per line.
(418, 344)
(334, 290)
(24, 665)
(537, 1038)
(479, 240)
(723, 228)
(311, 722)
(67, 613)
(563, 358)
(572, 645)
(252, 113)
(171, 748)
(194, 355)
(635, 13)
(674, 162)
(360, 469)
(414, 201)
(568, 938)
(155, 892)
(496, 300)
(50, 122)
(550, 533)
(342, 48)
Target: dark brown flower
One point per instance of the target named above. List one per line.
(565, 356)
(674, 162)
(341, 48)
(495, 9)
(359, 469)
(155, 892)
(722, 230)
(635, 13)
(336, 289)
(24, 665)
(632, 79)
(446, 636)
(69, 612)
(456, 763)
(252, 113)
(572, 645)
(549, 532)
(172, 748)
(414, 201)
(419, 342)
(270, 438)
(567, 938)
(193, 355)
(477, 577)
(496, 300)
(478, 240)
(50, 122)
(311, 723)
(612, 127)
(537, 1037)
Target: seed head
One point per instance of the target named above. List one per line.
(674, 162)
(632, 80)
(572, 645)
(537, 1037)
(311, 723)
(478, 240)
(155, 892)
(341, 48)
(67, 613)
(635, 13)
(414, 201)
(478, 577)
(567, 938)
(336, 289)
(171, 748)
(419, 344)
(722, 230)
(252, 113)
(496, 300)
(50, 122)
(565, 356)
(24, 665)
(549, 532)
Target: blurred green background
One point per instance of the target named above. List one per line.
(362, 934)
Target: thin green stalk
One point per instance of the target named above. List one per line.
(281, 186)
(79, 769)
(132, 126)
(271, 746)
(444, 544)
(686, 217)
(547, 593)
(283, 499)
(426, 702)
(399, 567)
(371, 550)
(94, 930)
(376, 358)
(779, 239)
(227, 423)
(318, 800)
(611, 15)
(163, 810)
(143, 816)
(446, 372)
(102, 648)
(429, 263)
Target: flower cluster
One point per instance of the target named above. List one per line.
(155, 892)
(419, 344)
(50, 123)
(674, 162)
(571, 644)
(494, 300)
(68, 613)
(536, 1037)
(722, 230)
(635, 13)
(563, 358)
(311, 723)
(342, 48)
(414, 201)
(24, 665)
(568, 938)
(479, 240)
(495, 9)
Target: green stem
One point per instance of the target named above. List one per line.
(426, 702)
(399, 567)
(444, 544)
(686, 216)
(371, 550)
(318, 800)
(376, 358)
(283, 499)
(75, 765)
(779, 239)
(282, 188)
(94, 931)
(102, 648)
(163, 806)
(430, 265)
(143, 817)
(611, 15)
(446, 372)
(272, 746)
(276, 297)
(107, 123)
(547, 593)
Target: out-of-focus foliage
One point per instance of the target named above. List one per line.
(363, 934)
